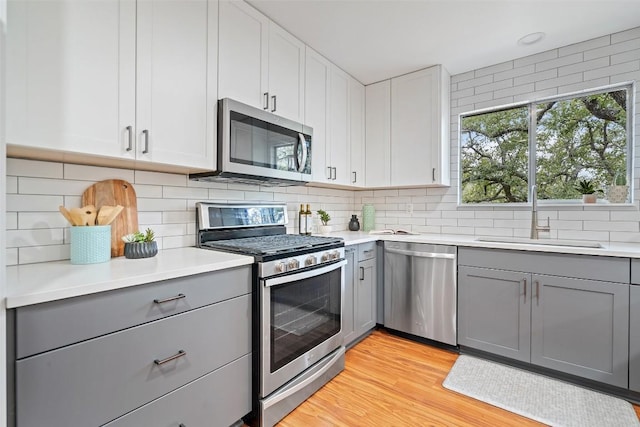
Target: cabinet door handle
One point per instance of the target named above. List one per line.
(354, 177)
(335, 173)
(273, 99)
(145, 134)
(525, 289)
(361, 273)
(329, 169)
(537, 292)
(266, 101)
(129, 138)
(433, 174)
(179, 354)
(177, 297)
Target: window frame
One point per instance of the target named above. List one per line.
(628, 87)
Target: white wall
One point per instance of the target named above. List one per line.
(606, 60)
(3, 281)
(37, 232)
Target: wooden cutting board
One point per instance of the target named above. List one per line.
(113, 192)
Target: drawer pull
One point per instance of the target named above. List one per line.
(160, 301)
(170, 358)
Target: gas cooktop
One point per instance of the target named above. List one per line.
(272, 245)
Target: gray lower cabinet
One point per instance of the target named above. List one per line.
(581, 327)
(360, 294)
(494, 311)
(213, 400)
(569, 324)
(197, 359)
(634, 327)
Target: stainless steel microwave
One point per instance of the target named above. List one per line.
(258, 147)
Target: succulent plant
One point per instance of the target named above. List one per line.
(586, 186)
(139, 237)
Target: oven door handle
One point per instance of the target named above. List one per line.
(304, 275)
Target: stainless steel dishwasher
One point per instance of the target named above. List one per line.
(420, 290)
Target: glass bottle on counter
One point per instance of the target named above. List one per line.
(307, 225)
(302, 220)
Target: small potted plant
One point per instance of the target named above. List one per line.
(140, 245)
(588, 190)
(618, 191)
(324, 219)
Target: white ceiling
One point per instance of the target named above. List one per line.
(377, 39)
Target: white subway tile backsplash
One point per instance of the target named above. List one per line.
(187, 240)
(145, 204)
(560, 81)
(159, 178)
(475, 82)
(12, 256)
(95, 173)
(52, 186)
(184, 193)
(584, 215)
(584, 66)
(494, 69)
(148, 191)
(538, 57)
(44, 237)
(515, 72)
(584, 85)
(33, 254)
(631, 226)
(598, 236)
(178, 217)
(34, 220)
(38, 203)
(33, 168)
(11, 220)
(152, 217)
(586, 45)
(11, 185)
(559, 62)
(612, 70)
(493, 231)
(623, 36)
(611, 49)
(625, 215)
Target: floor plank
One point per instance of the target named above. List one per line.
(391, 381)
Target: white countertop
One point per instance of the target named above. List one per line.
(36, 283)
(627, 250)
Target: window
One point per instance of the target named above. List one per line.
(554, 143)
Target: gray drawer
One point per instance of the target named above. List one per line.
(608, 269)
(217, 399)
(51, 325)
(635, 271)
(366, 251)
(96, 381)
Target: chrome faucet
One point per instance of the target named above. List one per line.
(535, 227)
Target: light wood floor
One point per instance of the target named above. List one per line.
(391, 381)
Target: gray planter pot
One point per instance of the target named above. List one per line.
(140, 250)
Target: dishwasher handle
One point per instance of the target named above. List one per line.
(420, 254)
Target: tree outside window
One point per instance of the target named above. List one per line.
(571, 138)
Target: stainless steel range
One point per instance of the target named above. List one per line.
(298, 288)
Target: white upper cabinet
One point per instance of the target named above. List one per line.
(339, 152)
(356, 131)
(176, 109)
(114, 79)
(243, 66)
(317, 83)
(260, 63)
(378, 134)
(71, 75)
(407, 130)
(419, 128)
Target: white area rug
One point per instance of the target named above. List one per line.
(537, 397)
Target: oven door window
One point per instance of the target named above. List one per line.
(303, 314)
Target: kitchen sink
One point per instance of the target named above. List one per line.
(548, 242)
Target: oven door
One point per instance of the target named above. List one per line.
(301, 322)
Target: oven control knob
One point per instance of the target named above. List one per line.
(293, 264)
(335, 255)
(280, 267)
(311, 260)
(325, 257)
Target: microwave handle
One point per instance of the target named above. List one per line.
(302, 142)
